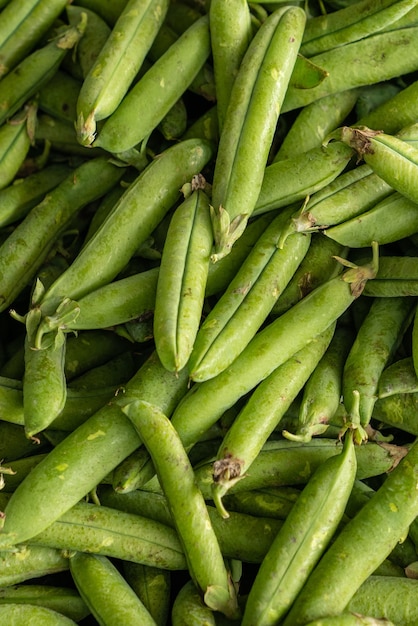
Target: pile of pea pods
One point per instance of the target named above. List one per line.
(208, 312)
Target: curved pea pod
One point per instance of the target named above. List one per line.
(376, 341)
(163, 84)
(292, 179)
(188, 608)
(399, 377)
(355, 22)
(388, 597)
(182, 280)
(352, 558)
(247, 301)
(153, 587)
(322, 391)
(359, 63)
(187, 506)
(231, 33)
(351, 619)
(378, 223)
(119, 60)
(260, 416)
(15, 141)
(94, 38)
(61, 599)
(86, 455)
(303, 538)
(36, 70)
(27, 246)
(398, 411)
(106, 592)
(23, 25)
(21, 614)
(250, 122)
(30, 562)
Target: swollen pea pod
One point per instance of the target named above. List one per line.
(255, 104)
(182, 279)
(21, 614)
(322, 392)
(163, 84)
(88, 454)
(274, 502)
(231, 33)
(352, 557)
(246, 303)
(187, 506)
(153, 587)
(188, 608)
(389, 597)
(359, 63)
(90, 45)
(397, 276)
(64, 600)
(398, 411)
(28, 245)
(58, 97)
(109, 10)
(376, 341)
(260, 415)
(394, 114)
(35, 70)
(351, 619)
(119, 60)
(15, 141)
(399, 377)
(106, 592)
(23, 24)
(30, 562)
(303, 538)
(360, 20)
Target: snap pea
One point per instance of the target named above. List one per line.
(62, 138)
(249, 124)
(399, 377)
(114, 373)
(61, 599)
(58, 97)
(303, 538)
(15, 141)
(398, 411)
(187, 506)
(388, 597)
(119, 60)
(188, 609)
(109, 10)
(274, 502)
(246, 303)
(394, 114)
(163, 83)
(350, 619)
(182, 280)
(14, 444)
(106, 592)
(396, 277)
(352, 557)
(94, 38)
(20, 614)
(174, 123)
(30, 562)
(153, 587)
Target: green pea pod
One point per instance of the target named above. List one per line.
(274, 502)
(106, 592)
(247, 302)
(187, 506)
(398, 411)
(174, 124)
(163, 84)
(58, 97)
(250, 122)
(394, 114)
(30, 562)
(188, 609)
(351, 619)
(182, 280)
(231, 33)
(15, 142)
(388, 597)
(303, 538)
(14, 444)
(62, 138)
(61, 599)
(86, 455)
(118, 62)
(353, 23)
(23, 24)
(21, 614)
(27, 246)
(95, 37)
(396, 277)
(109, 10)
(399, 377)
(35, 70)
(153, 586)
(260, 416)
(352, 558)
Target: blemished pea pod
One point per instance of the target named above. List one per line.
(61, 599)
(360, 20)
(352, 557)
(182, 280)
(303, 538)
(24, 251)
(21, 614)
(398, 411)
(206, 402)
(374, 345)
(315, 122)
(231, 33)
(163, 84)
(387, 597)
(399, 377)
(153, 587)
(274, 502)
(30, 562)
(23, 25)
(86, 455)
(18, 198)
(106, 592)
(187, 506)
(359, 63)
(321, 394)
(188, 608)
(90, 45)
(378, 223)
(246, 303)
(15, 142)
(260, 415)
(250, 121)
(351, 619)
(25, 80)
(113, 71)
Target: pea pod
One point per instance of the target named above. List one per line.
(94, 39)
(399, 377)
(387, 597)
(396, 277)
(20, 614)
(153, 587)
(109, 10)
(15, 141)
(394, 114)
(398, 411)
(61, 599)
(187, 506)
(188, 609)
(352, 557)
(351, 619)
(249, 124)
(30, 562)
(303, 538)
(58, 97)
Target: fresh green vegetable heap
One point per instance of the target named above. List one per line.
(208, 304)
